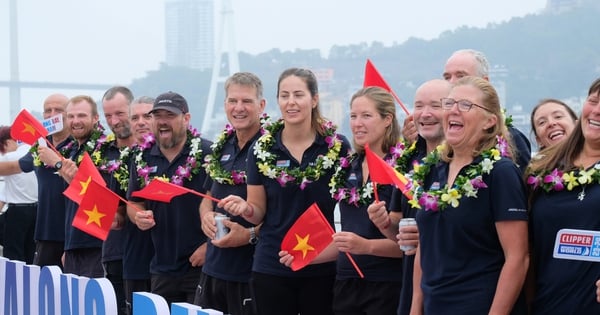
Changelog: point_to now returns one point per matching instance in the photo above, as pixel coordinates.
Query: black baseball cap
(172, 102)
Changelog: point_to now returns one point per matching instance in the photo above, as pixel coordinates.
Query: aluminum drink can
(222, 230)
(406, 222)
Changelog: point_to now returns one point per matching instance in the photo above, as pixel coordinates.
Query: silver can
(222, 230)
(406, 222)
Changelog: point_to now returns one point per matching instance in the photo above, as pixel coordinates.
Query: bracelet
(249, 215)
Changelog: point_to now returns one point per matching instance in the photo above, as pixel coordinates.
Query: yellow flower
(585, 177)
(110, 137)
(414, 203)
(96, 157)
(263, 168)
(451, 197)
(495, 154)
(163, 178)
(570, 180)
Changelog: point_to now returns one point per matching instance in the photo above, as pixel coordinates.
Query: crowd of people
(488, 213)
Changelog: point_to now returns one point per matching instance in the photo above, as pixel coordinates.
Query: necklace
(183, 172)
(212, 162)
(557, 180)
(363, 195)
(89, 146)
(467, 186)
(266, 161)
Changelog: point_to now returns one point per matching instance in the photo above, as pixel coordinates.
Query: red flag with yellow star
(96, 211)
(160, 190)
(308, 237)
(27, 129)
(86, 173)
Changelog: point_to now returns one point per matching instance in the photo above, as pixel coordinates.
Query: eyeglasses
(463, 105)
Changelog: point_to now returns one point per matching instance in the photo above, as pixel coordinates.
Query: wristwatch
(58, 165)
(253, 239)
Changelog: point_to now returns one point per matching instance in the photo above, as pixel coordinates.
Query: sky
(116, 41)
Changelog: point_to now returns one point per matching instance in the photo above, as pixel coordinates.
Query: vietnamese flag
(382, 173)
(160, 190)
(374, 78)
(27, 129)
(96, 211)
(308, 237)
(86, 174)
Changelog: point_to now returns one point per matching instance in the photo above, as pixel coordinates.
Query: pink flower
(478, 182)
(177, 180)
(340, 194)
(330, 140)
(344, 162)
(430, 202)
(304, 183)
(398, 149)
(534, 181)
(144, 171)
(183, 171)
(229, 129)
(284, 178)
(238, 177)
(354, 197)
(555, 178)
(502, 146)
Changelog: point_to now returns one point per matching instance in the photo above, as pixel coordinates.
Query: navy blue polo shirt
(286, 204)
(522, 148)
(356, 219)
(399, 203)
(461, 255)
(230, 264)
(177, 233)
(564, 286)
(112, 248)
(74, 237)
(50, 219)
(138, 249)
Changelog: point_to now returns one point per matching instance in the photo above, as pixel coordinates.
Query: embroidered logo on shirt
(225, 157)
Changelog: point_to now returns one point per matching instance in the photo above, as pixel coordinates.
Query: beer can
(222, 230)
(406, 222)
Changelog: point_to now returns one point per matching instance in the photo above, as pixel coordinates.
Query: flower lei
(90, 146)
(212, 162)
(266, 160)
(363, 195)
(183, 172)
(468, 185)
(119, 167)
(557, 180)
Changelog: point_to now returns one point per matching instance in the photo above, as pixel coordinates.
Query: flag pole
(400, 102)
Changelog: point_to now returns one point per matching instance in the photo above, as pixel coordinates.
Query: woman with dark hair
(564, 200)
(472, 256)
(551, 121)
(289, 169)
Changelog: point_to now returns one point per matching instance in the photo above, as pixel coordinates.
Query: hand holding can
(408, 235)
(222, 230)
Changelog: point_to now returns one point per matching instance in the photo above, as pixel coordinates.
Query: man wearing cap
(174, 154)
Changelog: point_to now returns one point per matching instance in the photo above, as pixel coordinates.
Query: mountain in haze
(541, 55)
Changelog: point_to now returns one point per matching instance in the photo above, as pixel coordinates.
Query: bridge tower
(14, 91)
(225, 45)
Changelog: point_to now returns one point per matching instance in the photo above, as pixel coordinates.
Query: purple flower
(113, 166)
(398, 149)
(144, 171)
(305, 181)
(330, 140)
(354, 197)
(183, 171)
(284, 178)
(229, 129)
(238, 177)
(340, 194)
(502, 146)
(534, 181)
(555, 178)
(177, 180)
(148, 140)
(344, 162)
(430, 202)
(478, 182)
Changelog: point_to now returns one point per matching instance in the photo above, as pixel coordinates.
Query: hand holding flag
(86, 173)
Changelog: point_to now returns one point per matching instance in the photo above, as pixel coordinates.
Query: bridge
(15, 85)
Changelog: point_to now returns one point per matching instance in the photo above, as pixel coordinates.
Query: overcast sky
(115, 41)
